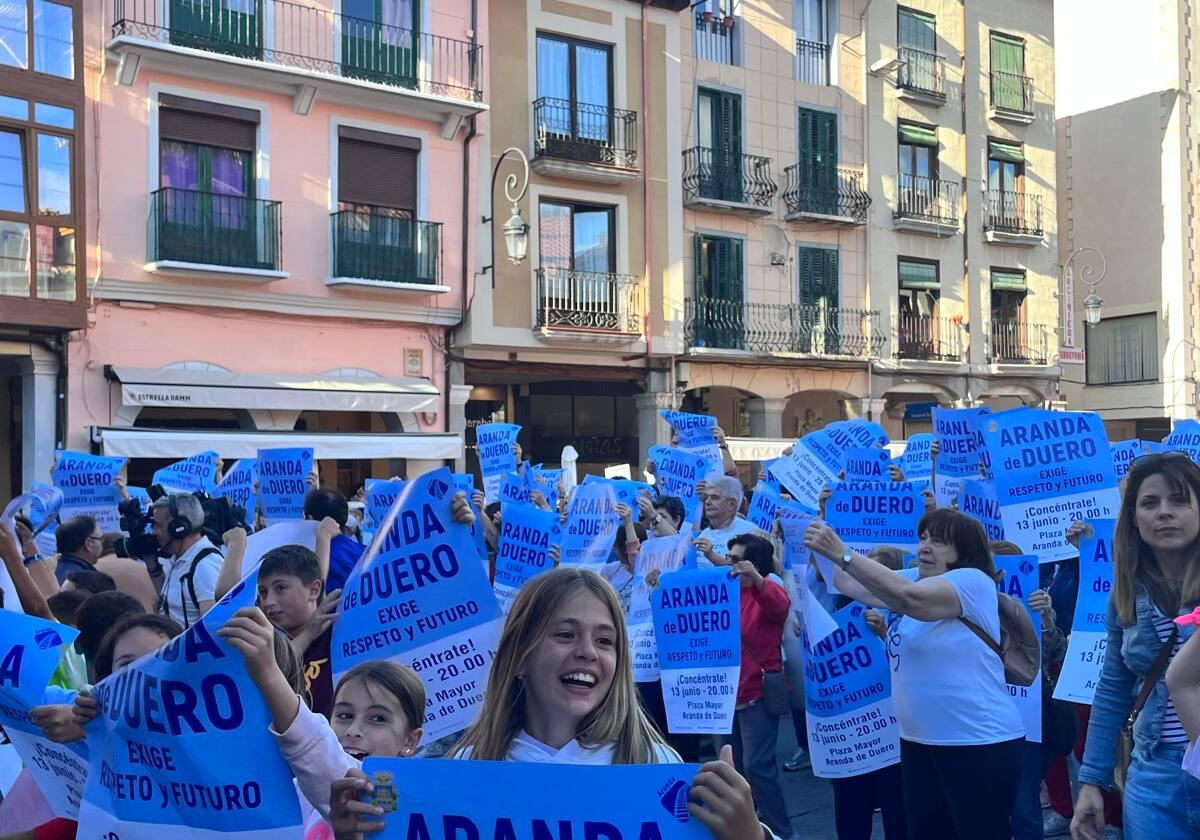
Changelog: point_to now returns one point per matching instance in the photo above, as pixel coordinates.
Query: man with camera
(191, 563)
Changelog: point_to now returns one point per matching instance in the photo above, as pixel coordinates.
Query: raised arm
(31, 597)
(231, 567)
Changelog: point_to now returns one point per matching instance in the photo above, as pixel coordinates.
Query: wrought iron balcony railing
(925, 338)
(1019, 343)
(310, 38)
(726, 176)
(826, 190)
(782, 328)
(213, 229)
(812, 62)
(376, 243)
(922, 71)
(585, 133)
(1012, 92)
(927, 200)
(715, 41)
(588, 301)
(1013, 212)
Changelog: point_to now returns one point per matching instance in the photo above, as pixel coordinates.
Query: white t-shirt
(1191, 760)
(948, 686)
(179, 597)
(720, 538)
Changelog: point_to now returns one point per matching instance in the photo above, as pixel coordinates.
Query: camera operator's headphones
(178, 527)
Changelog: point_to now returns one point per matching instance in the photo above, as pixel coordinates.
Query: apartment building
(575, 341)
(1128, 164)
(43, 155)
(282, 193)
(869, 194)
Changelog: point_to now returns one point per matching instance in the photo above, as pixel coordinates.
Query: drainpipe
(862, 27)
(647, 216)
(966, 200)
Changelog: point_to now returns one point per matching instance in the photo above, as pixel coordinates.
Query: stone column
(652, 429)
(766, 416)
(866, 408)
(457, 421)
(39, 414)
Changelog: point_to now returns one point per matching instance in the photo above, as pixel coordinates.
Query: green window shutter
(917, 134)
(1008, 54)
(818, 133)
(698, 267)
(830, 271)
(1014, 152)
(735, 284)
(918, 275)
(730, 123)
(917, 30)
(1012, 281)
(818, 276)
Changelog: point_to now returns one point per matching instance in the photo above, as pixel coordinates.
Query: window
(718, 161)
(576, 237)
(53, 39)
(1006, 166)
(918, 170)
(919, 332)
(1123, 350)
(38, 202)
(715, 40)
(812, 41)
(1010, 332)
(377, 234)
(1010, 90)
(818, 270)
(916, 36)
(719, 319)
(574, 85)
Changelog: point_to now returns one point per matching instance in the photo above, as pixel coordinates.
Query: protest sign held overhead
(1051, 469)
(494, 446)
(978, 500)
(592, 523)
(526, 534)
(1125, 452)
(917, 460)
(867, 464)
(696, 625)
(1019, 582)
(283, 483)
(418, 597)
(198, 472)
(656, 557)
(88, 483)
(1089, 632)
(958, 450)
(677, 473)
(695, 433)
(876, 513)
(1184, 437)
(238, 486)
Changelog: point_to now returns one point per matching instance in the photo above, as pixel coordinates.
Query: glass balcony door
(227, 26)
(380, 41)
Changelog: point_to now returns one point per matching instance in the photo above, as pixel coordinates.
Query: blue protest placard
(419, 597)
(1184, 437)
(677, 473)
(880, 513)
(494, 446)
(514, 490)
(978, 499)
(546, 482)
(867, 464)
(1052, 468)
(282, 483)
(238, 486)
(808, 470)
(592, 523)
(1089, 634)
(696, 625)
(657, 556)
(423, 799)
(958, 449)
(695, 433)
(848, 696)
(626, 490)
(526, 534)
(162, 720)
(29, 653)
(380, 496)
(1019, 582)
(1125, 452)
(917, 460)
(197, 473)
(813, 616)
(764, 504)
(87, 483)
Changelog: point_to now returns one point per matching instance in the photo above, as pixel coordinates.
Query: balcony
(812, 62)
(924, 338)
(1011, 98)
(769, 329)
(1018, 343)
(715, 40)
(1012, 218)
(193, 232)
(727, 182)
(588, 305)
(823, 193)
(304, 50)
(578, 140)
(374, 246)
(922, 76)
(926, 205)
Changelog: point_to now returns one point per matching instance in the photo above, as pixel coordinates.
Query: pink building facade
(278, 199)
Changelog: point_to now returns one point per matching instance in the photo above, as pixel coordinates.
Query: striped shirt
(1172, 730)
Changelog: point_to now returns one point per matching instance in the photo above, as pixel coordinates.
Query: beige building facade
(1128, 164)
(869, 211)
(575, 343)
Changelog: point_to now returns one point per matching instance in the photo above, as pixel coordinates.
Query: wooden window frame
(587, 207)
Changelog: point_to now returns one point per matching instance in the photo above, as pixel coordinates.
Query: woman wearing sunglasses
(1156, 577)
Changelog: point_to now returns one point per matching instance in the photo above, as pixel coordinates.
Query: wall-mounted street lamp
(1093, 303)
(516, 229)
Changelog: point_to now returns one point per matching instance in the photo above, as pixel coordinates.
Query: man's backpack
(1019, 648)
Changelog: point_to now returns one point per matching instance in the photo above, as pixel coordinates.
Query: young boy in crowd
(290, 587)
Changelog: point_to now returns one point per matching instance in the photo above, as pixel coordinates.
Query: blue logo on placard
(1026, 567)
(674, 798)
(232, 593)
(47, 638)
(438, 488)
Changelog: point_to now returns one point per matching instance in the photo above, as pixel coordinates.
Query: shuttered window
(207, 124)
(999, 150)
(818, 269)
(917, 134)
(718, 267)
(377, 169)
(818, 135)
(1010, 280)
(918, 274)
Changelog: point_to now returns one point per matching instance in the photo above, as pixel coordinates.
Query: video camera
(219, 516)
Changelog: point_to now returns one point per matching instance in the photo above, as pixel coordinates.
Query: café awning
(183, 443)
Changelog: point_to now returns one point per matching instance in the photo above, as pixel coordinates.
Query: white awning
(182, 388)
(756, 449)
(180, 443)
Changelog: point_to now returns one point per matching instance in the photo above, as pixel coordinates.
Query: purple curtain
(229, 179)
